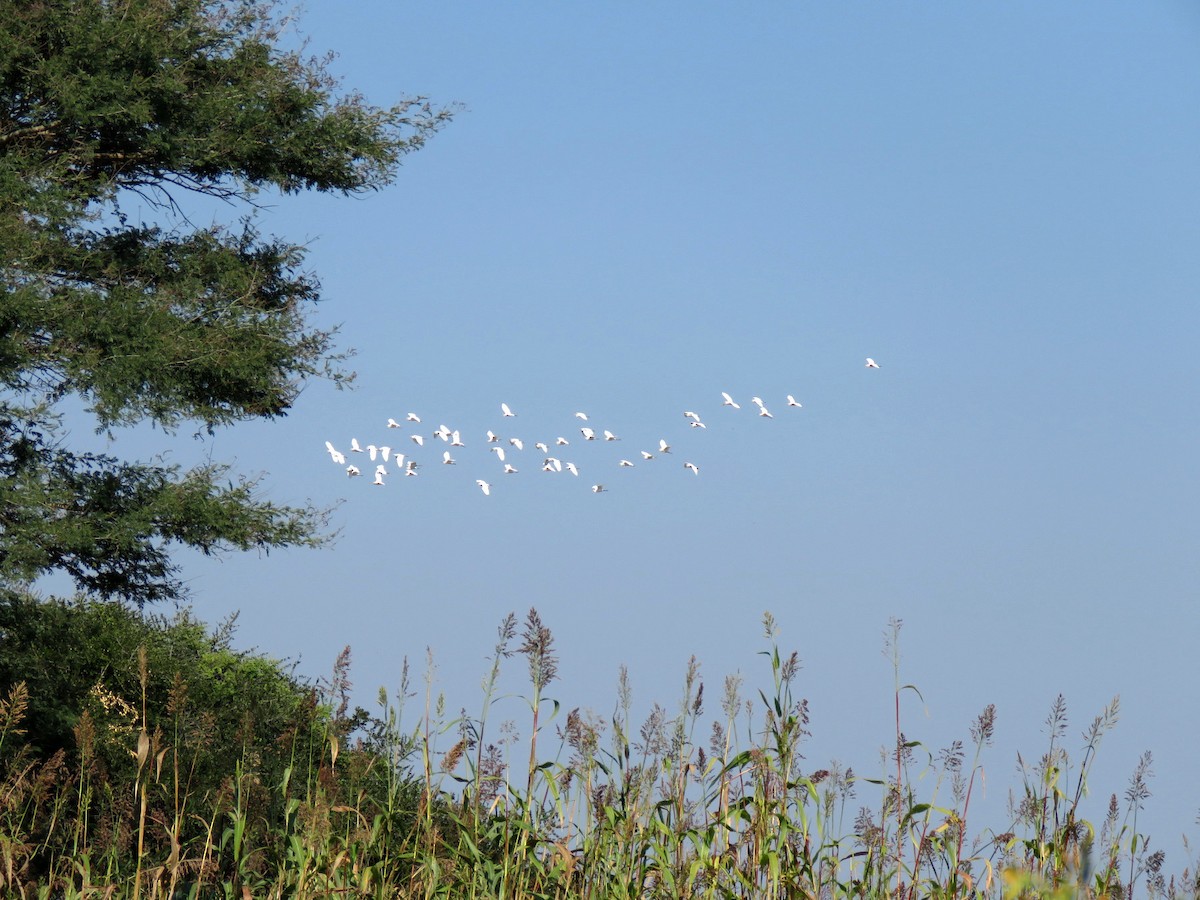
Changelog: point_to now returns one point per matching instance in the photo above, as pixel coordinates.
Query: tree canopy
(159, 321)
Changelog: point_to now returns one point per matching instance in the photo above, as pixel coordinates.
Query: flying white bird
(543, 446)
(447, 460)
(692, 466)
(588, 434)
(508, 413)
(493, 438)
(871, 364)
(581, 415)
(729, 401)
(792, 401)
(499, 451)
(598, 489)
(572, 469)
(412, 417)
(625, 464)
(372, 451)
(418, 440)
(411, 472)
(517, 442)
(555, 463)
(688, 414)
(510, 469)
(385, 452)
(378, 478)
(609, 436)
(443, 432)
(351, 471)
(646, 454)
(456, 440)
(334, 454)
(757, 401)
(546, 466)
(763, 411)
(392, 423)
(354, 446)
(699, 424)
(663, 446)
(398, 459)
(561, 442)
(483, 486)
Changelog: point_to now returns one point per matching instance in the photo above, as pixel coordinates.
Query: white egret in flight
(447, 459)
(483, 486)
(693, 467)
(792, 401)
(729, 401)
(871, 364)
(508, 413)
(334, 454)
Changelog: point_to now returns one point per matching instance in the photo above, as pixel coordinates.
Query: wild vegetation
(163, 763)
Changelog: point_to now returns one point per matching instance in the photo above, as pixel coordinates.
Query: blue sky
(643, 205)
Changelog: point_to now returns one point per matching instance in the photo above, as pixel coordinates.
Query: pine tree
(103, 102)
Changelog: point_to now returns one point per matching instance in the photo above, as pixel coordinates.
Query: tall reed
(679, 805)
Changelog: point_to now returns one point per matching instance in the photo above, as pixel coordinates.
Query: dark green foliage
(70, 653)
(106, 523)
(166, 323)
(227, 763)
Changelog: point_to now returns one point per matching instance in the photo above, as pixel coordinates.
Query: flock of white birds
(508, 451)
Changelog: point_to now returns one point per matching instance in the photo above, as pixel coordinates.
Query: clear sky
(643, 205)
